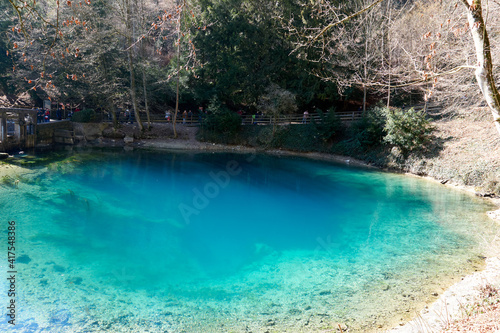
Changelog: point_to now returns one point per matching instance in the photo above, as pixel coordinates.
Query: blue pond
(197, 242)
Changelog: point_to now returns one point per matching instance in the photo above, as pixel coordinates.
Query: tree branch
(345, 19)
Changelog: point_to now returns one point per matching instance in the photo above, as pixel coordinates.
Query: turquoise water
(181, 242)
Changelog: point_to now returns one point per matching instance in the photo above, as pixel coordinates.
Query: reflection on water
(227, 242)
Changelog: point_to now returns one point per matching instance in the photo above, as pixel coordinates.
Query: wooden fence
(345, 117)
(249, 120)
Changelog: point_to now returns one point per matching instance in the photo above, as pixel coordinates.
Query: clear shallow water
(181, 242)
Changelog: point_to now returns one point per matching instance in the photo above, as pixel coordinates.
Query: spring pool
(109, 240)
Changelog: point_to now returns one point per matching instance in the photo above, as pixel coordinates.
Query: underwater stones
(270, 322)
(75, 280)
(262, 250)
(61, 317)
(325, 293)
(23, 259)
(59, 269)
(31, 327)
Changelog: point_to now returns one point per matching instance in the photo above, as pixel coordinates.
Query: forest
(244, 54)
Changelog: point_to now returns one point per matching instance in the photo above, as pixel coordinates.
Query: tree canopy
(104, 54)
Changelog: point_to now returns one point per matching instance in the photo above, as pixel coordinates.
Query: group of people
(42, 115)
(128, 116)
(187, 116)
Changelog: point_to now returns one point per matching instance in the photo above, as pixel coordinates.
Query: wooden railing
(250, 120)
(194, 120)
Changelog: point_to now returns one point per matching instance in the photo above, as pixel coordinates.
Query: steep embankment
(467, 152)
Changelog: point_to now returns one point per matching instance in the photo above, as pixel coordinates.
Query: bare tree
(484, 66)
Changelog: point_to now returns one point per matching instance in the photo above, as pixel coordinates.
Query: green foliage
(407, 129)
(298, 138)
(221, 124)
(369, 132)
(84, 116)
(245, 51)
(328, 126)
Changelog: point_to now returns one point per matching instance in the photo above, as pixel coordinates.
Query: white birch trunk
(484, 71)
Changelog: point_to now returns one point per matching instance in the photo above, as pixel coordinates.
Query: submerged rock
(23, 259)
(61, 317)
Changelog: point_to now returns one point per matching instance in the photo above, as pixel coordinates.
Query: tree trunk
(131, 67)
(484, 70)
(390, 55)
(178, 66)
(112, 110)
(177, 88)
(146, 98)
(365, 73)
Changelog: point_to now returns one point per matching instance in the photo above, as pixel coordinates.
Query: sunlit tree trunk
(390, 55)
(484, 70)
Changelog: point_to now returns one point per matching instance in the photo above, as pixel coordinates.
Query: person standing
(184, 117)
(305, 117)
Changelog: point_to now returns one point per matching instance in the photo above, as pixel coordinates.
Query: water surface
(184, 242)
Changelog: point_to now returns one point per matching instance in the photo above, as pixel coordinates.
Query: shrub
(368, 132)
(297, 137)
(84, 116)
(407, 130)
(221, 124)
(329, 125)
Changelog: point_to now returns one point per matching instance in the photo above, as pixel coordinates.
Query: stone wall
(45, 131)
(89, 132)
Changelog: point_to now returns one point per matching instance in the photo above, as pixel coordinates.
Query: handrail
(346, 116)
